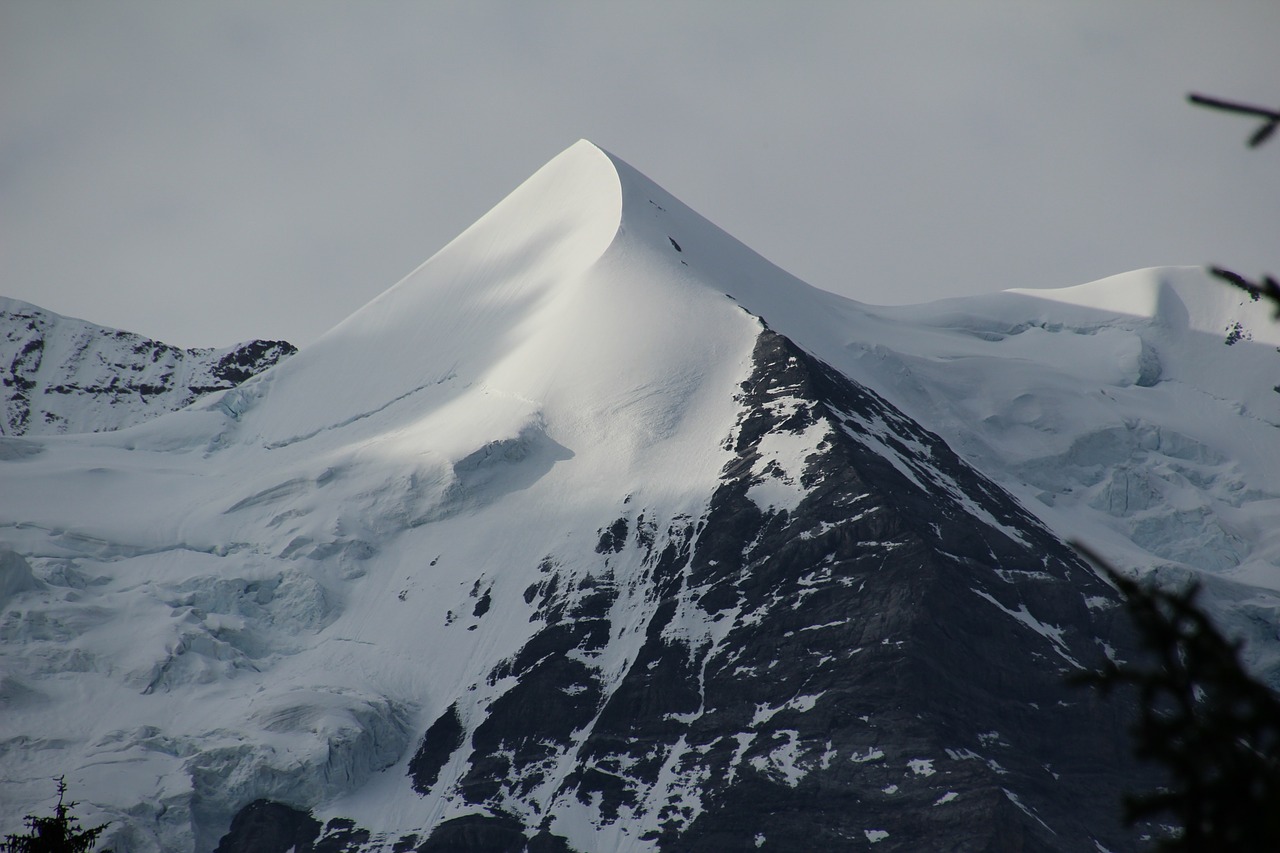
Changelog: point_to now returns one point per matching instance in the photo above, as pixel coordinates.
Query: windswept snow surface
(274, 592)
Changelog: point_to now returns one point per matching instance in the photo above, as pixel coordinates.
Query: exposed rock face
(862, 640)
(62, 375)
(266, 827)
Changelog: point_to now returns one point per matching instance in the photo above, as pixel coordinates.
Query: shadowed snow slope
(591, 534)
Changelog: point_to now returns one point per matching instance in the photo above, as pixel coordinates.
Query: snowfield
(275, 591)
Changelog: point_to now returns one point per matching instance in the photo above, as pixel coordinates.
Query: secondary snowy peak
(63, 375)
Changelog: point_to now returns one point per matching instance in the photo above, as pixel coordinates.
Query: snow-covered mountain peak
(589, 290)
(600, 532)
(464, 312)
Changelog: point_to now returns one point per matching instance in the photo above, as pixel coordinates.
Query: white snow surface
(269, 593)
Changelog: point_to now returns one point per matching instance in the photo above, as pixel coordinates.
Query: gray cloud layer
(205, 173)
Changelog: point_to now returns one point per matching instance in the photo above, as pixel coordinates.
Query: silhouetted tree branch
(1262, 134)
(1212, 725)
(1265, 288)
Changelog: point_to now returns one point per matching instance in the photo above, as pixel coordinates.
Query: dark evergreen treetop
(1213, 727)
(60, 833)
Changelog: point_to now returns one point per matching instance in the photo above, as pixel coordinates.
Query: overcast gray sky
(209, 172)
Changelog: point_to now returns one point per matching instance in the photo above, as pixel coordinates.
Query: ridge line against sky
(208, 173)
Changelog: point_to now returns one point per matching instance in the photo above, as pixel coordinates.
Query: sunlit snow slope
(586, 536)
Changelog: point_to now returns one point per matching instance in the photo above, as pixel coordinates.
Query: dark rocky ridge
(883, 664)
(63, 375)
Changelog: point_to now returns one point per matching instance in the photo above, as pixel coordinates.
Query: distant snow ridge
(62, 375)
(599, 532)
